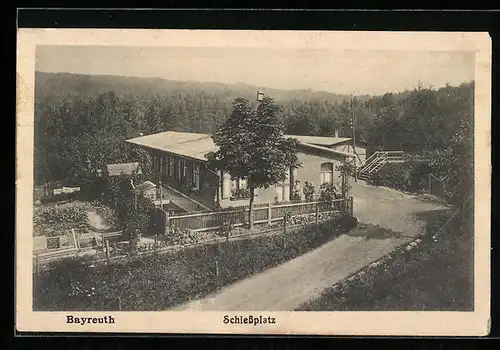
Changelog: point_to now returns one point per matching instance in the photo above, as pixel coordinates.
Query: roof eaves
(329, 150)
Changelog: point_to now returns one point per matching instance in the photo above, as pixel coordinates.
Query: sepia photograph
(267, 177)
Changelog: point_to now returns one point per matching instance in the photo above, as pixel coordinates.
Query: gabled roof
(196, 145)
(123, 169)
(192, 145)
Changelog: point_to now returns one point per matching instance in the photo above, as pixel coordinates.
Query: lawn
(434, 276)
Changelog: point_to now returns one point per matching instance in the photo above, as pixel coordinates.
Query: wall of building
(309, 171)
(217, 187)
(182, 177)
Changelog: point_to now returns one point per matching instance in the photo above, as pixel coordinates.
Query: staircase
(377, 160)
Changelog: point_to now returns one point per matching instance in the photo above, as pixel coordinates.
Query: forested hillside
(81, 121)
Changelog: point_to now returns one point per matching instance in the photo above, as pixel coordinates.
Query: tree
(251, 146)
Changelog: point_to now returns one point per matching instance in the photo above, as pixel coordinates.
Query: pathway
(179, 200)
(288, 285)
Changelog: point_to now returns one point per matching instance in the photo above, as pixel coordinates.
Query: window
(196, 176)
(171, 167)
(183, 162)
(179, 169)
(326, 173)
(239, 188)
(165, 166)
(239, 184)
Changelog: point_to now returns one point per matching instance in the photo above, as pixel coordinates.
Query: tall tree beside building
(252, 146)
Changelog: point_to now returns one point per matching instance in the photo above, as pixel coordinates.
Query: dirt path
(179, 200)
(96, 221)
(287, 286)
(389, 208)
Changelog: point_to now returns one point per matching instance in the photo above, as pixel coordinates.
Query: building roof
(320, 140)
(192, 145)
(196, 145)
(123, 168)
(327, 150)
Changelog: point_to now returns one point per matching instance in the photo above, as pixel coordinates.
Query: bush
(160, 282)
(54, 220)
(395, 176)
(410, 176)
(134, 211)
(308, 191)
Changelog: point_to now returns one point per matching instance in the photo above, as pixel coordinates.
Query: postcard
(253, 182)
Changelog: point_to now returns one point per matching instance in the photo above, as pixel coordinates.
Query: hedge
(409, 176)
(159, 282)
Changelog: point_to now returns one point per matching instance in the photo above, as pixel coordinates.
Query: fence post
(284, 224)
(119, 303)
(286, 216)
(107, 250)
(317, 214)
(430, 182)
(351, 206)
(269, 213)
(37, 265)
(216, 269)
(167, 223)
(77, 246)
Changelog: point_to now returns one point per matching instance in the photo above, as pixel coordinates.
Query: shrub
(395, 176)
(54, 220)
(177, 236)
(410, 176)
(133, 210)
(308, 191)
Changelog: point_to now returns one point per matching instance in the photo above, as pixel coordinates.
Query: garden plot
(56, 221)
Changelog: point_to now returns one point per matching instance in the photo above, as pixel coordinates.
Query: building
(343, 144)
(179, 161)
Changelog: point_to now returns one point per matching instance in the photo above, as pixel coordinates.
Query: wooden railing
(262, 214)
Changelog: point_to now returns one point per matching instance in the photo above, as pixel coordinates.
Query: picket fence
(262, 214)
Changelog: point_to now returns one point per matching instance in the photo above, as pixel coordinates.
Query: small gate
(436, 186)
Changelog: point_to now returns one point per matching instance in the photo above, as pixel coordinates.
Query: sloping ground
(390, 221)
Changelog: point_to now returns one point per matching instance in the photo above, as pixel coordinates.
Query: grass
(436, 276)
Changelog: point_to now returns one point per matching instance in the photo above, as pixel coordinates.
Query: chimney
(337, 133)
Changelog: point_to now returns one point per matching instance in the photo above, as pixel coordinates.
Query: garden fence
(262, 214)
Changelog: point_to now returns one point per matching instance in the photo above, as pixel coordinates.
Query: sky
(337, 71)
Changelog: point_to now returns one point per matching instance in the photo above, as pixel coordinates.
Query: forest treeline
(81, 122)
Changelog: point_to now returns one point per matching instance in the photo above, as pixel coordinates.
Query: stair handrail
(372, 163)
(374, 155)
(375, 162)
(369, 164)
